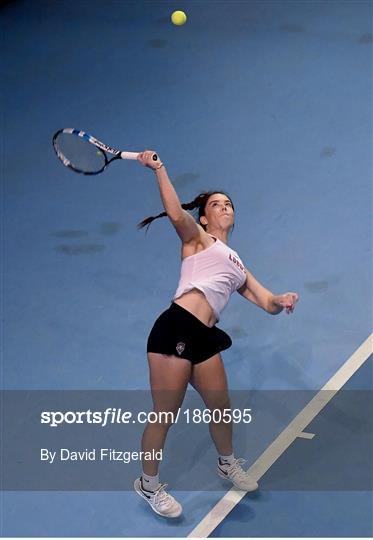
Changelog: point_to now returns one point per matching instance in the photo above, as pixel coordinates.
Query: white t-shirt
(217, 271)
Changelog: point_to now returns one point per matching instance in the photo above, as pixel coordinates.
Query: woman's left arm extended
(272, 303)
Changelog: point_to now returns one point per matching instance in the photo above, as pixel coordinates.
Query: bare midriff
(195, 302)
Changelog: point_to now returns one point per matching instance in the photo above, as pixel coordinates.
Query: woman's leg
(169, 377)
(210, 381)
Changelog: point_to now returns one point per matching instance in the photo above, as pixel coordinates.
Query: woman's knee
(162, 420)
(216, 399)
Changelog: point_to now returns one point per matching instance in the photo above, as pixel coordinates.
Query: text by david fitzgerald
(98, 454)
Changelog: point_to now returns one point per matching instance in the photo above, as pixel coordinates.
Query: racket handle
(133, 155)
(129, 155)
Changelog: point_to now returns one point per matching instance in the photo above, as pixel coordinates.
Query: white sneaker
(235, 473)
(162, 502)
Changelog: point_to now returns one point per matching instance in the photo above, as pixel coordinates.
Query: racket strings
(80, 153)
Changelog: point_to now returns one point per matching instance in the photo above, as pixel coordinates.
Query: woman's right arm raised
(185, 225)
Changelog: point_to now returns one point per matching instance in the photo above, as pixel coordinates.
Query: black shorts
(178, 332)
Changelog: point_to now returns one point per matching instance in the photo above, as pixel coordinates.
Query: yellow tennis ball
(179, 18)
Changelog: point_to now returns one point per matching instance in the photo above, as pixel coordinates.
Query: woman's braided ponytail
(199, 202)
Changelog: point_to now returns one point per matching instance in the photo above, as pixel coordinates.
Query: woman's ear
(203, 220)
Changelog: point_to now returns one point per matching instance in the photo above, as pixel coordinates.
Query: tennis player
(184, 345)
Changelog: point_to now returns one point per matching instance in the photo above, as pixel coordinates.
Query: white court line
(305, 435)
(286, 438)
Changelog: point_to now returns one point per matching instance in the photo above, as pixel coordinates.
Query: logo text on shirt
(237, 263)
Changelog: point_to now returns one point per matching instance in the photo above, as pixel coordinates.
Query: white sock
(226, 460)
(149, 483)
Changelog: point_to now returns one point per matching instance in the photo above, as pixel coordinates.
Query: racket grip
(133, 155)
(129, 155)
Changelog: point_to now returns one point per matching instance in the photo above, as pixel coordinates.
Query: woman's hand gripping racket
(85, 154)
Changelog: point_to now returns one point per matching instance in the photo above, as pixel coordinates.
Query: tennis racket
(85, 154)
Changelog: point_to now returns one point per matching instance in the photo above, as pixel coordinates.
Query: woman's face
(219, 213)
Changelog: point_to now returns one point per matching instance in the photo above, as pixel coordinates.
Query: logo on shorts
(180, 347)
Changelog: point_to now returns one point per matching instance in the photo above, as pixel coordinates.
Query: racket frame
(117, 154)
